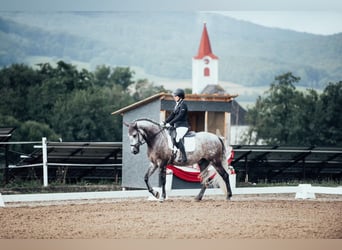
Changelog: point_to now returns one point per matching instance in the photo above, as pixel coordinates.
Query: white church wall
(199, 80)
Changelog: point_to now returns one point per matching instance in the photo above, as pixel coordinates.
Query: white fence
(44, 163)
(302, 191)
(59, 153)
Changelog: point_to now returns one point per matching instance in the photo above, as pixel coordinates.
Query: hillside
(163, 43)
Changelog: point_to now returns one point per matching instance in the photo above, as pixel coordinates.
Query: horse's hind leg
(225, 176)
(203, 164)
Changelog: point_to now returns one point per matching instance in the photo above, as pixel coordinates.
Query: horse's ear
(135, 125)
(126, 124)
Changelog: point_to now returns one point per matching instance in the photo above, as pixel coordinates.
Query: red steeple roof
(205, 48)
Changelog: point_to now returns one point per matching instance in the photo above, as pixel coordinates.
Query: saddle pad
(190, 134)
(189, 143)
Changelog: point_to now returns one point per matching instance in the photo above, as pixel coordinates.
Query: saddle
(189, 139)
(172, 133)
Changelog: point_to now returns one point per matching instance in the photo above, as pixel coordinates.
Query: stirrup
(181, 158)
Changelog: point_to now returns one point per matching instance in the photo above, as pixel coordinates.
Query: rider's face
(176, 98)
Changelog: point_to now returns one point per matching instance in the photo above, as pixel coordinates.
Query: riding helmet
(179, 92)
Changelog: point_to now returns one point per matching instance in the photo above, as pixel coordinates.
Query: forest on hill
(163, 43)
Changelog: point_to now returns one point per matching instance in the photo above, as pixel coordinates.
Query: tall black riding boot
(182, 149)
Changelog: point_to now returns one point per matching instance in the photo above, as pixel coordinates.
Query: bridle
(139, 142)
(144, 139)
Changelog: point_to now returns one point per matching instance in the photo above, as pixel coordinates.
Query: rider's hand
(167, 125)
(162, 124)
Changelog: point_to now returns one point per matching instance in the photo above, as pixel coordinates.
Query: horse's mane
(148, 120)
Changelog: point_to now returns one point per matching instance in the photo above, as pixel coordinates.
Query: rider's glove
(162, 124)
(167, 125)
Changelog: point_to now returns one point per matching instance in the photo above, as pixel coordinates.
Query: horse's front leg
(148, 174)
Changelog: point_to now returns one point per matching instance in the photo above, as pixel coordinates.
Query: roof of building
(281, 162)
(6, 133)
(205, 47)
(213, 89)
(168, 96)
(238, 112)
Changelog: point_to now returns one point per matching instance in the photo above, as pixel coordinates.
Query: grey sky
(318, 17)
(186, 5)
(316, 22)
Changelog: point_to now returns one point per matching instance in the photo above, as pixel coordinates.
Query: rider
(179, 119)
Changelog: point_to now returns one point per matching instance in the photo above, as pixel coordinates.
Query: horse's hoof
(198, 199)
(157, 195)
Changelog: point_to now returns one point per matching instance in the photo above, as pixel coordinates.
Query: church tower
(204, 65)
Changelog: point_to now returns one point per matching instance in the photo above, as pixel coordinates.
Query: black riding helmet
(179, 92)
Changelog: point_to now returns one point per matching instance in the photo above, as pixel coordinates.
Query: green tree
(86, 115)
(15, 82)
(62, 101)
(144, 88)
(272, 117)
(68, 75)
(102, 75)
(34, 131)
(331, 99)
(285, 116)
(306, 126)
(122, 76)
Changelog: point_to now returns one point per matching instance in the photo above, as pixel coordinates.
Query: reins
(162, 128)
(143, 136)
(139, 143)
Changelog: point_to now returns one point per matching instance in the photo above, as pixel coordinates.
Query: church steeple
(204, 65)
(205, 47)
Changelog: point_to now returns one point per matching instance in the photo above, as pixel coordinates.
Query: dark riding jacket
(179, 116)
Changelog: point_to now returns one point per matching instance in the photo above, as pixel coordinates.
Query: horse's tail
(223, 146)
(218, 180)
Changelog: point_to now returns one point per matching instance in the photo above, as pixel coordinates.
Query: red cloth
(231, 157)
(190, 176)
(185, 175)
(194, 176)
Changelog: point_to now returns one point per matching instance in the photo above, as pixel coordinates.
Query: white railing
(45, 164)
(44, 161)
(302, 191)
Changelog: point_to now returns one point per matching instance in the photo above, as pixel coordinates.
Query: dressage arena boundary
(302, 191)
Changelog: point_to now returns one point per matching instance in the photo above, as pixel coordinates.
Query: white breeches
(180, 132)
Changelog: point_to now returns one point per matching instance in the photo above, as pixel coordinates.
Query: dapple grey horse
(209, 149)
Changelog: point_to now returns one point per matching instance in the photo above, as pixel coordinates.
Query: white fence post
(305, 192)
(2, 204)
(169, 178)
(45, 163)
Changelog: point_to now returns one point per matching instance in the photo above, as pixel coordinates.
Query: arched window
(206, 72)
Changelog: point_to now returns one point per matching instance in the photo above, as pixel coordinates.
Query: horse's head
(135, 136)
